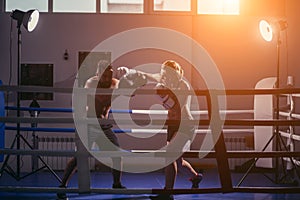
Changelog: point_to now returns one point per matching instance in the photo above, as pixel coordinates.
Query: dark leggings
(72, 163)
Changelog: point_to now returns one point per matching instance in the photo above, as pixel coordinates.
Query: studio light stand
(268, 30)
(34, 114)
(278, 138)
(29, 20)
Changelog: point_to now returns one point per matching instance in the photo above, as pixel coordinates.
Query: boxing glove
(132, 79)
(121, 71)
(166, 100)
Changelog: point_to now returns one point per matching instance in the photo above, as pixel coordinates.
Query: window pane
(223, 7)
(122, 6)
(172, 5)
(24, 5)
(77, 6)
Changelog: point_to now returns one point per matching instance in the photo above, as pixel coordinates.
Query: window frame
(77, 12)
(221, 13)
(116, 2)
(172, 12)
(29, 7)
(148, 8)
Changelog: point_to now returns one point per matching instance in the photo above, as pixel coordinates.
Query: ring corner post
(223, 166)
(2, 124)
(82, 157)
(220, 147)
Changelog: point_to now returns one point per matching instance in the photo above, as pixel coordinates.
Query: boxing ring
(289, 153)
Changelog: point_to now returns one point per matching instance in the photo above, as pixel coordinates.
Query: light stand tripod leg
(18, 100)
(6, 165)
(18, 136)
(42, 160)
(34, 158)
(254, 162)
(286, 174)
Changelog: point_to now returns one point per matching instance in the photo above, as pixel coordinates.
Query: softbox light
(29, 19)
(269, 29)
(266, 30)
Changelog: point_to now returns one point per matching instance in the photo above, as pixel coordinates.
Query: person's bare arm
(89, 84)
(152, 77)
(186, 102)
(121, 71)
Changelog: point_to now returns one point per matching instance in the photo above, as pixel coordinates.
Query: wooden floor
(138, 181)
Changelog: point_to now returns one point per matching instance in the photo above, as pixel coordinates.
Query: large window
(41, 5)
(122, 6)
(74, 6)
(219, 7)
(211, 7)
(172, 5)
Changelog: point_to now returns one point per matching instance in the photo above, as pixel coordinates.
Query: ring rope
(39, 109)
(237, 122)
(138, 191)
(286, 114)
(156, 153)
(153, 112)
(194, 112)
(294, 91)
(288, 135)
(297, 162)
(256, 121)
(42, 129)
(72, 130)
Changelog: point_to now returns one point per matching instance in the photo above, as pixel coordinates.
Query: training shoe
(196, 180)
(61, 195)
(118, 186)
(162, 197)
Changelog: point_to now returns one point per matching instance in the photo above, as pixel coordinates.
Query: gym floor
(143, 181)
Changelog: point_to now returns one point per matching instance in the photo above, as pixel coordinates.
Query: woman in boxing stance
(178, 106)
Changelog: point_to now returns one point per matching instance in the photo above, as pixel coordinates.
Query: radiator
(68, 143)
(58, 143)
(236, 143)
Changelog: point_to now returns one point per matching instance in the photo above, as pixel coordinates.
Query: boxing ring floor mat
(141, 181)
